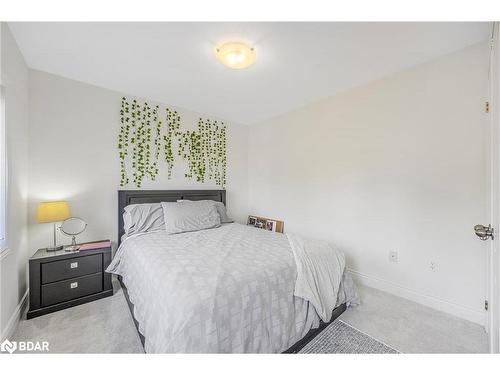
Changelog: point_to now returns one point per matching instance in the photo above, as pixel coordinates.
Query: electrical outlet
(433, 266)
(393, 256)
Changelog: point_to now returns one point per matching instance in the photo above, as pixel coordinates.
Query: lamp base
(54, 248)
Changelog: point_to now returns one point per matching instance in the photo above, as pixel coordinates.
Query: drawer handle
(73, 265)
(74, 285)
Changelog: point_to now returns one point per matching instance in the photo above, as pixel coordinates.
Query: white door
(493, 290)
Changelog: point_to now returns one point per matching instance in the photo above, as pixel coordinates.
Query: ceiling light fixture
(235, 55)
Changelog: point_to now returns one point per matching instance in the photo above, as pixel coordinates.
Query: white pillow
(142, 218)
(221, 209)
(189, 216)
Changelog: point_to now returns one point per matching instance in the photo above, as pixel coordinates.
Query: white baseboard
(15, 318)
(412, 295)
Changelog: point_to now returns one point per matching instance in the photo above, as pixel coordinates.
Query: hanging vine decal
(173, 126)
(123, 139)
(144, 135)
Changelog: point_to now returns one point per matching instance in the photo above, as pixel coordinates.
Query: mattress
(223, 290)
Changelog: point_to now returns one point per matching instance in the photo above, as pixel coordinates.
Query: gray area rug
(340, 337)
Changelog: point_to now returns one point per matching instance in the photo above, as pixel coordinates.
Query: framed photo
(261, 223)
(252, 220)
(271, 225)
(264, 223)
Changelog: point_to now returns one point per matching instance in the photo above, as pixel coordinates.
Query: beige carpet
(105, 326)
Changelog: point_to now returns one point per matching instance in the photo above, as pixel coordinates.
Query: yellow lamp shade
(235, 55)
(50, 212)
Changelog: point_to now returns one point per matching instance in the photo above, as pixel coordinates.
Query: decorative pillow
(142, 218)
(189, 216)
(221, 209)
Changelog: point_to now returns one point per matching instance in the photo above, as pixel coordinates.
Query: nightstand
(60, 279)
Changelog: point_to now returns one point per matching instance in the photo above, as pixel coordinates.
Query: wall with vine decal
(146, 132)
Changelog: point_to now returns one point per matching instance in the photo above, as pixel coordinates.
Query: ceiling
(297, 63)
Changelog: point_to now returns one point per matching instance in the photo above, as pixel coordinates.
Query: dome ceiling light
(235, 55)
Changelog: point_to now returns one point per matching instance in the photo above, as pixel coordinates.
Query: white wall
(397, 164)
(14, 261)
(74, 156)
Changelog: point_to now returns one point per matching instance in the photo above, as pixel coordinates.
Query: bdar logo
(8, 346)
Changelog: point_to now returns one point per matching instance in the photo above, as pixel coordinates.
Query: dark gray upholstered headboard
(126, 197)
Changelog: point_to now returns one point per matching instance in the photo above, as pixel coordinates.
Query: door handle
(484, 232)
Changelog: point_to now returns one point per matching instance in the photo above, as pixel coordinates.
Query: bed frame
(126, 197)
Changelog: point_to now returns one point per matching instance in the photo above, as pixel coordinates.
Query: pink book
(95, 245)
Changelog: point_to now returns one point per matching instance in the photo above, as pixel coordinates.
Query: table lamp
(52, 212)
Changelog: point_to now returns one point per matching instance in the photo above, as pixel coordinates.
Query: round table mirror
(73, 227)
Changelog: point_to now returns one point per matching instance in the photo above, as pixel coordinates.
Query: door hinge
(486, 305)
(487, 107)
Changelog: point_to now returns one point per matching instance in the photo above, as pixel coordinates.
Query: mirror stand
(73, 227)
(73, 246)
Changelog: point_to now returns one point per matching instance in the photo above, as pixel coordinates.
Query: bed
(223, 290)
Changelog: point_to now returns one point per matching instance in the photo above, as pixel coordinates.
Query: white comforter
(228, 289)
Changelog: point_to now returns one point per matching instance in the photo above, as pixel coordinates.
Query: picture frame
(252, 220)
(261, 223)
(271, 225)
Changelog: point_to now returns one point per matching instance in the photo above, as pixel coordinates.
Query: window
(3, 172)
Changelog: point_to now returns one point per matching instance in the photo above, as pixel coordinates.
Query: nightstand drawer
(70, 289)
(69, 268)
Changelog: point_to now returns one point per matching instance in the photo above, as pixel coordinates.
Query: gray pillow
(221, 209)
(189, 216)
(142, 218)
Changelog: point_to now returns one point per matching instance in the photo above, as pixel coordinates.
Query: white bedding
(226, 290)
(319, 272)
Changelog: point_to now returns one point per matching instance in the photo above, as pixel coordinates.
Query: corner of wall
(13, 289)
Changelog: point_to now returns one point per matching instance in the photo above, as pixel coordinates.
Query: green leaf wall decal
(146, 132)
